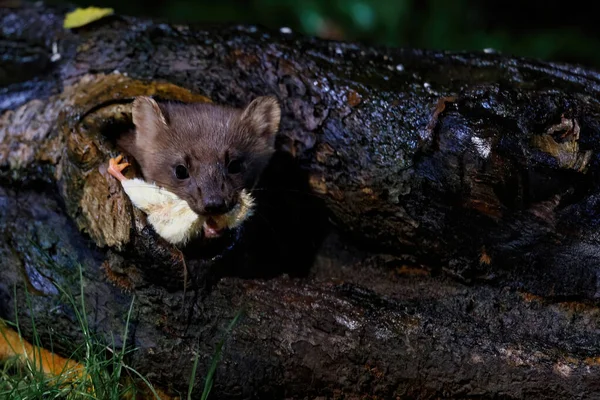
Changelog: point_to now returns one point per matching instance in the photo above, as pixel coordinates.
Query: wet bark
(428, 227)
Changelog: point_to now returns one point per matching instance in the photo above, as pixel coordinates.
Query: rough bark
(461, 259)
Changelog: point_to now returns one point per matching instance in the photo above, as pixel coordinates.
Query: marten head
(204, 153)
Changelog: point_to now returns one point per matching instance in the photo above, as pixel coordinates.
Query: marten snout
(216, 205)
(212, 195)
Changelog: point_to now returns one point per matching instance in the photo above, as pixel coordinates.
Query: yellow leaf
(83, 16)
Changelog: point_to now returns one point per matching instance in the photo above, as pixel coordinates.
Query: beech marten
(208, 155)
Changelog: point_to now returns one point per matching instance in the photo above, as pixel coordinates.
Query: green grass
(208, 382)
(106, 374)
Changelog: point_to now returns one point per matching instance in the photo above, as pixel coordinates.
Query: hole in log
(289, 225)
(283, 236)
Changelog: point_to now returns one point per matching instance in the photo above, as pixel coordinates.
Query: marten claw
(115, 166)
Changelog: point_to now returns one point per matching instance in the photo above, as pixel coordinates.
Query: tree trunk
(429, 226)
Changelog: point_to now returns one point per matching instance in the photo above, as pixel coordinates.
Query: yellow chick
(170, 216)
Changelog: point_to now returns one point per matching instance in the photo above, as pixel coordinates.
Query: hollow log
(428, 227)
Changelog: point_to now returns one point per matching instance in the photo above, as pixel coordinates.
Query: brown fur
(208, 140)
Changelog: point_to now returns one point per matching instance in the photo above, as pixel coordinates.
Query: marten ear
(263, 115)
(147, 116)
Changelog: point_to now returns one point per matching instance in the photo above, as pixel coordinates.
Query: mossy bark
(428, 227)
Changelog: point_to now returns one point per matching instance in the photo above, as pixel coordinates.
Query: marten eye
(235, 166)
(181, 172)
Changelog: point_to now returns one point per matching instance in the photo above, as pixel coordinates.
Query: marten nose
(215, 205)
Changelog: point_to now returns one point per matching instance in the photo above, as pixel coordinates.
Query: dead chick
(170, 216)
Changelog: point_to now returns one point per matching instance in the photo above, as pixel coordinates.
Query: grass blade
(208, 382)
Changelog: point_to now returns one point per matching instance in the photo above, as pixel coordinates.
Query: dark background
(552, 30)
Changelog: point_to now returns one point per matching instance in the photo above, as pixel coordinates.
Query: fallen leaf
(83, 16)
